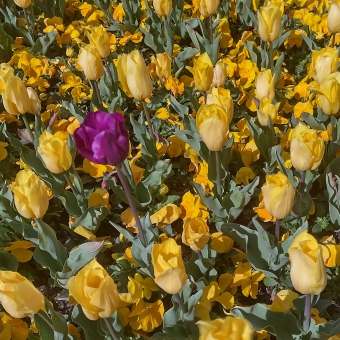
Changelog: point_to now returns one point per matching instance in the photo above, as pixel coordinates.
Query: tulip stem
(218, 173)
(302, 180)
(271, 57)
(96, 89)
(180, 303)
(277, 230)
(28, 127)
(111, 329)
(132, 205)
(200, 256)
(306, 319)
(70, 184)
(147, 116)
(211, 29)
(107, 67)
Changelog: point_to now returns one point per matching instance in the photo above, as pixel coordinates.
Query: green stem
(147, 116)
(200, 255)
(45, 318)
(27, 125)
(306, 319)
(95, 83)
(211, 29)
(180, 302)
(271, 57)
(70, 184)
(277, 230)
(218, 173)
(107, 67)
(111, 330)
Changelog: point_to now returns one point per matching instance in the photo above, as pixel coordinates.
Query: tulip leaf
(91, 218)
(43, 43)
(8, 261)
(284, 170)
(333, 197)
(5, 45)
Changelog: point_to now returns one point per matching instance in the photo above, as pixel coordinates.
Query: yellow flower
(308, 271)
(168, 266)
(221, 243)
(162, 7)
(18, 296)
(208, 7)
(12, 328)
(3, 151)
(95, 170)
(54, 152)
(212, 122)
(166, 215)
(30, 194)
(278, 194)
(99, 37)
(34, 101)
(95, 291)
(223, 98)
(22, 3)
(329, 94)
(146, 316)
(283, 301)
(227, 328)
(265, 85)
(249, 153)
(20, 249)
(269, 17)
(306, 148)
(163, 65)
(141, 288)
(193, 206)
(74, 331)
(220, 74)
(203, 72)
(244, 175)
(334, 255)
(324, 62)
(195, 233)
(100, 197)
(333, 19)
(91, 62)
(176, 148)
(267, 110)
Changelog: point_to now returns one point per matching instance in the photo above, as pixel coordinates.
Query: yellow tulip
(168, 266)
(91, 62)
(195, 233)
(208, 7)
(203, 72)
(269, 17)
(138, 76)
(223, 98)
(15, 98)
(55, 153)
(99, 37)
(122, 72)
(95, 291)
(163, 65)
(228, 328)
(307, 272)
(30, 194)
(212, 122)
(220, 74)
(18, 296)
(35, 102)
(333, 19)
(6, 71)
(22, 3)
(265, 85)
(267, 110)
(162, 7)
(324, 62)
(278, 195)
(329, 94)
(306, 148)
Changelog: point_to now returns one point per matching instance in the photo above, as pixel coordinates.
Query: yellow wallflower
(221, 243)
(193, 206)
(283, 301)
(166, 215)
(12, 328)
(244, 175)
(141, 288)
(95, 170)
(20, 249)
(100, 197)
(3, 151)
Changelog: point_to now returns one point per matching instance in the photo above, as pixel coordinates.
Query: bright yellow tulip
(163, 65)
(269, 17)
(324, 62)
(99, 37)
(208, 7)
(22, 3)
(195, 233)
(223, 98)
(122, 72)
(162, 7)
(91, 62)
(329, 94)
(333, 19)
(265, 85)
(267, 110)
(35, 102)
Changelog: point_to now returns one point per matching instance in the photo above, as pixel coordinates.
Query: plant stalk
(27, 125)
(147, 116)
(132, 205)
(111, 330)
(180, 302)
(271, 57)
(306, 319)
(70, 184)
(95, 83)
(218, 173)
(200, 256)
(211, 29)
(277, 230)
(107, 67)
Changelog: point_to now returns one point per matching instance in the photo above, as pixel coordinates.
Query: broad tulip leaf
(8, 261)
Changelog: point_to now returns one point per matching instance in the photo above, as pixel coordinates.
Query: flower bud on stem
(306, 319)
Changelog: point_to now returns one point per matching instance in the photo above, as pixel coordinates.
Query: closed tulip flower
(220, 74)
(18, 296)
(55, 153)
(15, 99)
(138, 76)
(265, 85)
(30, 194)
(333, 19)
(228, 328)
(208, 7)
(22, 3)
(195, 233)
(278, 195)
(306, 148)
(269, 17)
(99, 37)
(168, 266)
(324, 62)
(267, 110)
(103, 138)
(94, 289)
(212, 122)
(307, 271)
(203, 72)
(91, 62)
(329, 94)
(35, 102)
(6, 71)
(163, 65)
(122, 72)
(162, 7)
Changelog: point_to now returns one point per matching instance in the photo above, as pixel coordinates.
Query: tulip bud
(15, 99)
(278, 195)
(208, 7)
(223, 98)
(35, 103)
(163, 65)
(267, 110)
(307, 271)
(333, 19)
(91, 62)
(18, 296)
(30, 194)
(138, 77)
(168, 266)
(22, 3)
(306, 148)
(122, 72)
(6, 71)
(162, 7)
(269, 17)
(265, 85)
(203, 72)
(212, 122)
(329, 94)
(195, 233)
(324, 62)
(99, 37)
(220, 75)
(94, 289)
(55, 153)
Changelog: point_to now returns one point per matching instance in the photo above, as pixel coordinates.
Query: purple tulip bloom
(103, 138)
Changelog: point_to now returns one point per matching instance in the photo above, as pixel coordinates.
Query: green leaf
(5, 45)
(43, 43)
(8, 261)
(91, 218)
